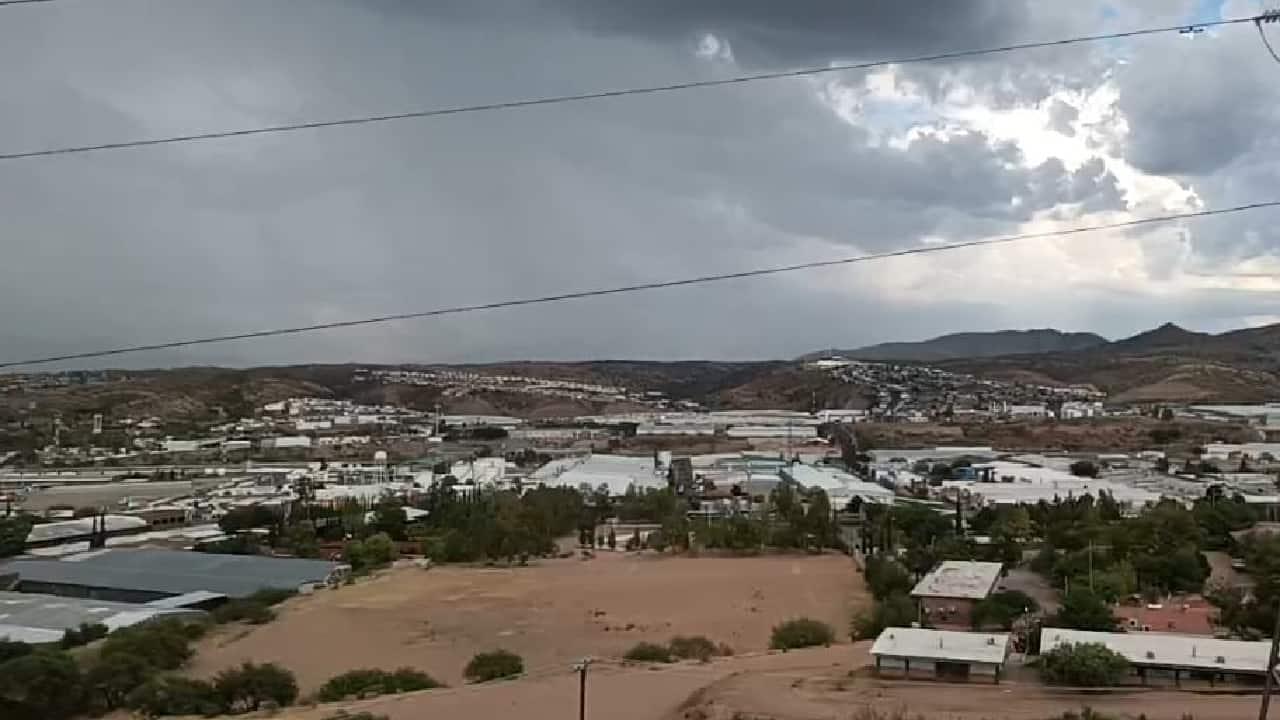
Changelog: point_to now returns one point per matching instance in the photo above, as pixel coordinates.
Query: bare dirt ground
(550, 614)
(800, 685)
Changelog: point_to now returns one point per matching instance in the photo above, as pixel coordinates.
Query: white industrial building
(615, 473)
(1156, 655)
(1017, 484)
(841, 487)
(942, 654)
(284, 442)
(799, 433)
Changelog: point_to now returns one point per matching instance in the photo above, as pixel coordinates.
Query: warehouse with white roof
(615, 473)
(1155, 656)
(941, 654)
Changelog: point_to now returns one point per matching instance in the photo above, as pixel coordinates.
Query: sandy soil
(801, 685)
(551, 614)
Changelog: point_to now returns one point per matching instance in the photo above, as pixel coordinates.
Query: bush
(344, 715)
(165, 645)
(83, 635)
(363, 683)
(1083, 665)
(897, 610)
(693, 647)
(250, 611)
(251, 686)
(41, 686)
(800, 633)
(885, 577)
(12, 650)
(495, 665)
(173, 695)
(110, 681)
(648, 652)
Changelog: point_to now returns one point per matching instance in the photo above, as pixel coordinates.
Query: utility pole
(1271, 670)
(581, 668)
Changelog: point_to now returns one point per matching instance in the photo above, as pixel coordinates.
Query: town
(977, 563)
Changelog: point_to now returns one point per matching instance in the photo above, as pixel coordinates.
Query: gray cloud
(208, 238)
(1062, 117)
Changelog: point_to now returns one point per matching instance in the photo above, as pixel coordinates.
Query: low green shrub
(648, 652)
(801, 633)
(366, 682)
(495, 665)
(693, 647)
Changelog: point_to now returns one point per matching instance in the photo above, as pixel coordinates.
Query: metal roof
(1166, 650)
(946, 645)
(53, 613)
(174, 572)
(959, 579)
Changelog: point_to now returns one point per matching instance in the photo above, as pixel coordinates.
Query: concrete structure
(67, 531)
(40, 619)
(286, 442)
(145, 575)
(1157, 656)
(947, 595)
(797, 433)
(941, 654)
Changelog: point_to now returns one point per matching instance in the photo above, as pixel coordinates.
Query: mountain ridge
(978, 344)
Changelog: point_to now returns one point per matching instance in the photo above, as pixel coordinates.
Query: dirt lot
(800, 685)
(550, 614)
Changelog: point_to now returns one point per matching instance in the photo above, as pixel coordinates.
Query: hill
(979, 344)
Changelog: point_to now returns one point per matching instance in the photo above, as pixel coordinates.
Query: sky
(170, 242)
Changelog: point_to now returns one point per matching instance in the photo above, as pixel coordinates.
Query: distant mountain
(979, 344)
(1165, 337)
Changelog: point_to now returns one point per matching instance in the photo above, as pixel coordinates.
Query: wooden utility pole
(581, 667)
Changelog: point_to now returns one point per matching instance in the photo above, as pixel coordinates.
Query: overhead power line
(1269, 17)
(648, 90)
(3, 3)
(700, 280)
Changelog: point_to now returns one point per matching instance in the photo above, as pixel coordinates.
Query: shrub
(41, 686)
(693, 647)
(12, 650)
(83, 635)
(166, 644)
(495, 665)
(362, 683)
(648, 652)
(173, 695)
(896, 610)
(1083, 665)
(272, 596)
(250, 611)
(110, 681)
(800, 633)
(344, 715)
(251, 686)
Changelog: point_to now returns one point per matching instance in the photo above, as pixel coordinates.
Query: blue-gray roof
(174, 572)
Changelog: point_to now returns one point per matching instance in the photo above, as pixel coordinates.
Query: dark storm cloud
(215, 237)
(808, 31)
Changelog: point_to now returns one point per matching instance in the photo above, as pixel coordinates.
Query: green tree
(1083, 665)
(112, 678)
(1083, 610)
(1001, 609)
(389, 517)
(165, 645)
(252, 686)
(495, 665)
(612, 540)
(41, 686)
(174, 695)
(13, 534)
(895, 610)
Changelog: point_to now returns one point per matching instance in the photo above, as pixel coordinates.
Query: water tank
(380, 456)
